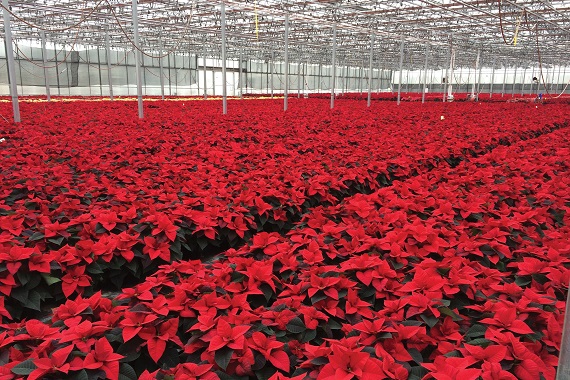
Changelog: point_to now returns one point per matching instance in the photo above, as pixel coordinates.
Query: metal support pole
(286, 87)
(475, 75)
(224, 90)
(459, 82)
(523, 81)
(213, 78)
(563, 371)
(170, 66)
(558, 79)
(239, 75)
(319, 78)
(88, 56)
(44, 59)
(57, 71)
(205, 71)
(564, 82)
(532, 81)
(400, 70)
(450, 80)
(160, 65)
(446, 81)
(492, 80)
(514, 83)
(344, 74)
(479, 79)
(272, 67)
(305, 89)
(333, 68)
(504, 81)
(175, 74)
(196, 75)
(425, 75)
(98, 71)
(108, 57)
(360, 79)
(380, 73)
(370, 59)
(299, 80)
(137, 58)
(10, 62)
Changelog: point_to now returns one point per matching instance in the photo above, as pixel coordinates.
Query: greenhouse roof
(506, 32)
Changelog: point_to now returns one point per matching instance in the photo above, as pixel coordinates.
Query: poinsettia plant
(333, 244)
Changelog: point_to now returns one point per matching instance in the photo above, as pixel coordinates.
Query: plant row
(458, 272)
(94, 200)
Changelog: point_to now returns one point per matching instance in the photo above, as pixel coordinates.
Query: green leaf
(476, 331)
(453, 354)
(267, 291)
(416, 355)
(384, 335)
(95, 268)
(126, 372)
(223, 357)
(23, 276)
(24, 368)
(430, 320)
(265, 373)
(411, 322)
(417, 373)
(81, 375)
(309, 335)
(20, 294)
(171, 357)
(318, 361)
(36, 236)
(334, 325)
(522, 280)
(296, 326)
(225, 376)
(259, 363)
(50, 280)
(133, 266)
(34, 301)
(396, 264)
(479, 342)
(57, 241)
(443, 271)
(203, 242)
(319, 296)
(450, 313)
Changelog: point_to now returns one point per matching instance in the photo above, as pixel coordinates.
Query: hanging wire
(563, 91)
(256, 21)
(170, 51)
(72, 45)
(29, 72)
(81, 21)
(514, 39)
(540, 60)
(118, 64)
(168, 77)
(274, 72)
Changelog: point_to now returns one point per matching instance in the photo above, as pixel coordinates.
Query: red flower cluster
(369, 252)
